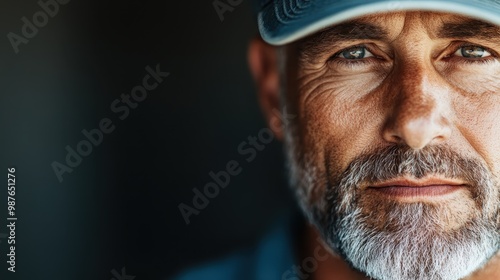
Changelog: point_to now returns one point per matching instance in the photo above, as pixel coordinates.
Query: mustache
(396, 161)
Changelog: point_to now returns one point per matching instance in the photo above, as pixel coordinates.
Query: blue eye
(355, 53)
(472, 52)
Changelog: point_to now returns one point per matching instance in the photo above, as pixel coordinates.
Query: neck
(490, 272)
(319, 263)
(329, 265)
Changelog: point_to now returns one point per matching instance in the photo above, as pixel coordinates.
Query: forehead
(390, 25)
(432, 23)
(395, 22)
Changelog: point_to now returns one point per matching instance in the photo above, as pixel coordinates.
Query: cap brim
(284, 21)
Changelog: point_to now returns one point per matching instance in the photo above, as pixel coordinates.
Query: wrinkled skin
(427, 82)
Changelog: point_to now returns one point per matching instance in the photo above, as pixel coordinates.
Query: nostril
(396, 138)
(392, 137)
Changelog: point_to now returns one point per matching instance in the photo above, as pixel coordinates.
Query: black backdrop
(118, 208)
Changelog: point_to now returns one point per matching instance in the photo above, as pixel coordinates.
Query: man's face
(395, 151)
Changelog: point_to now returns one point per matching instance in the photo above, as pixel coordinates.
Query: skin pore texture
(395, 151)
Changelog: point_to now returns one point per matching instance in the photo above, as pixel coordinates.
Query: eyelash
(353, 62)
(484, 60)
(371, 60)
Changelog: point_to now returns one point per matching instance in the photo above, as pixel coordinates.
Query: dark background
(119, 207)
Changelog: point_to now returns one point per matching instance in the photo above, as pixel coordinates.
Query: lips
(418, 188)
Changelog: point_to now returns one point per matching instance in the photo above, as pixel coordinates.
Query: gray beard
(396, 241)
(413, 252)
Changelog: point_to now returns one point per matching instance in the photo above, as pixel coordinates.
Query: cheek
(480, 126)
(336, 118)
(478, 115)
(475, 80)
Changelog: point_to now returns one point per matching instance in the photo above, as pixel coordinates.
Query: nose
(418, 110)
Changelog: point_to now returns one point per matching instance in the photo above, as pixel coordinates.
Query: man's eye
(472, 52)
(355, 53)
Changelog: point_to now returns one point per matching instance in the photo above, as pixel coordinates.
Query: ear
(262, 59)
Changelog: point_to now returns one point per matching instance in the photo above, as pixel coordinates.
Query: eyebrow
(470, 29)
(348, 31)
(319, 43)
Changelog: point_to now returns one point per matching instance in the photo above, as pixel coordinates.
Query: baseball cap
(284, 21)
